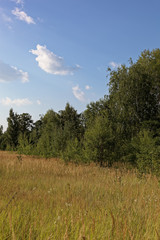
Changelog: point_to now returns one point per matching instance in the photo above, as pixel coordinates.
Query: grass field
(46, 199)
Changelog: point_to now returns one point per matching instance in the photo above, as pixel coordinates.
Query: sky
(58, 51)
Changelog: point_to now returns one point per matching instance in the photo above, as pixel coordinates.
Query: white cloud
(18, 102)
(51, 63)
(9, 73)
(21, 2)
(38, 102)
(114, 64)
(78, 93)
(23, 75)
(21, 15)
(87, 87)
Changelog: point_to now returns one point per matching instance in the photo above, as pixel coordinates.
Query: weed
(59, 201)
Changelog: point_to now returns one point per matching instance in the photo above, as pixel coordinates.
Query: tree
(12, 130)
(59, 130)
(99, 142)
(47, 145)
(95, 109)
(2, 138)
(73, 151)
(134, 97)
(134, 90)
(36, 132)
(71, 123)
(25, 123)
(146, 151)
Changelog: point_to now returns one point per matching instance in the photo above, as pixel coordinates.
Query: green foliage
(24, 145)
(2, 139)
(147, 152)
(71, 123)
(58, 129)
(95, 109)
(12, 130)
(46, 143)
(18, 125)
(25, 123)
(73, 152)
(134, 93)
(99, 142)
(123, 126)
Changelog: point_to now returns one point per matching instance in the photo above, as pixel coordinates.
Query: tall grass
(46, 199)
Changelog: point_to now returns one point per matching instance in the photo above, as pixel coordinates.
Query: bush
(73, 151)
(99, 142)
(147, 152)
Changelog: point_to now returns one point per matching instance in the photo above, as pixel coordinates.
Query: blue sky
(57, 51)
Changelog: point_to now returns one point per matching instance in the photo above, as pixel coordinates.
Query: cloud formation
(21, 15)
(114, 64)
(78, 93)
(18, 1)
(17, 102)
(9, 73)
(87, 87)
(51, 63)
(21, 2)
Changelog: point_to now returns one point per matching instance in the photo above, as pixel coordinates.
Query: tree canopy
(122, 126)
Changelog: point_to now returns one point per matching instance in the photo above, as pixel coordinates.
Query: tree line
(123, 126)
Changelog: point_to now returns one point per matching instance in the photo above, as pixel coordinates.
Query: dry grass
(46, 199)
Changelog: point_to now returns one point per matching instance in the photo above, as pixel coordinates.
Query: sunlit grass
(46, 199)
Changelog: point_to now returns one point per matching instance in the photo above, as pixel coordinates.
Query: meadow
(47, 199)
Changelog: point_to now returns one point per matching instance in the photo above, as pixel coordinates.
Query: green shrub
(73, 151)
(147, 152)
